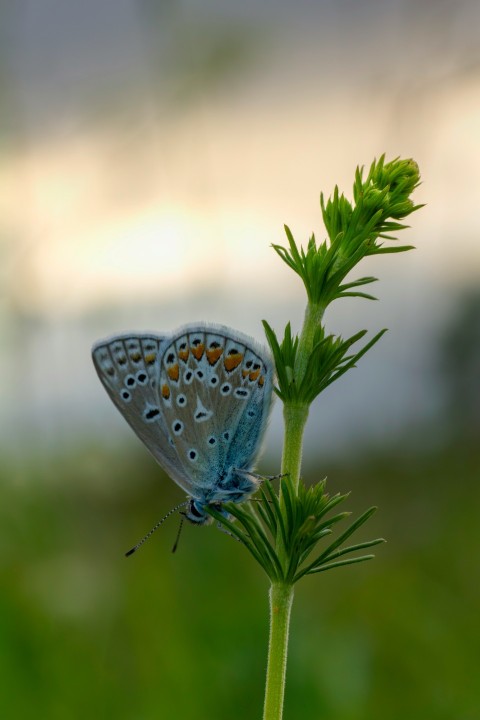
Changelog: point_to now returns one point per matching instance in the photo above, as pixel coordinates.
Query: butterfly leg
(227, 532)
(260, 477)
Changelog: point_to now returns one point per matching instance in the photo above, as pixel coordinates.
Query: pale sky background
(151, 153)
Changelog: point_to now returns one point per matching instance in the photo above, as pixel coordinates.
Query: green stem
(311, 322)
(294, 417)
(281, 597)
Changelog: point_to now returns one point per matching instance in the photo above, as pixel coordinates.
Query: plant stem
(281, 594)
(311, 322)
(281, 597)
(294, 417)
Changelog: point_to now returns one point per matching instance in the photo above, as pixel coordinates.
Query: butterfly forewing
(128, 366)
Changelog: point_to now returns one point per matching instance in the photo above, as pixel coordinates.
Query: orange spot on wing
(150, 358)
(245, 373)
(213, 354)
(261, 380)
(165, 391)
(198, 351)
(135, 356)
(183, 355)
(254, 375)
(232, 361)
(173, 372)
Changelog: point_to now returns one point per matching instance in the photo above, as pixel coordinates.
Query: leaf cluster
(354, 230)
(328, 360)
(284, 539)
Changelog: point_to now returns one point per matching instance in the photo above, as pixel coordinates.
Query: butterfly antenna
(175, 544)
(155, 527)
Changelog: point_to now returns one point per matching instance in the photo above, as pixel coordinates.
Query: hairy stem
(281, 594)
(295, 418)
(281, 597)
(313, 318)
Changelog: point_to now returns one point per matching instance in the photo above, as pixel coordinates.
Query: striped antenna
(155, 527)
(175, 544)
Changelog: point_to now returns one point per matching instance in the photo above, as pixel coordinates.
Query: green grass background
(88, 633)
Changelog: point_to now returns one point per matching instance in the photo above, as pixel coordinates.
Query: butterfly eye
(130, 381)
(126, 396)
(226, 389)
(226, 436)
(181, 400)
(141, 378)
(192, 454)
(188, 377)
(199, 374)
(212, 441)
(213, 380)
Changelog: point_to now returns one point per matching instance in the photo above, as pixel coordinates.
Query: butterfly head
(196, 513)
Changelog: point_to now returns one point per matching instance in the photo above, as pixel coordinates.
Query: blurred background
(150, 153)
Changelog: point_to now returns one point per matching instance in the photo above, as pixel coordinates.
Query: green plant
(283, 531)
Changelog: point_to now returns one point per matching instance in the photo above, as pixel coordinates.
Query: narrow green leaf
(385, 250)
(265, 505)
(346, 534)
(333, 520)
(278, 512)
(312, 542)
(283, 253)
(341, 539)
(268, 519)
(354, 548)
(359, 294)
(244, 539)
(332, 502)
(352, 363)
(357, 283)
(257, 536)
(349, 561)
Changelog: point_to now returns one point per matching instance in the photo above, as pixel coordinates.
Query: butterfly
(199, 399)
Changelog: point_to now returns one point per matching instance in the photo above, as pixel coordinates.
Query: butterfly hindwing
(215, 391)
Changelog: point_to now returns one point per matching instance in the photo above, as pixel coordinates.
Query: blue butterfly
(199, 399)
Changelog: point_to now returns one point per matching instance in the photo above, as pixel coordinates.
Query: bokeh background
(150, 153)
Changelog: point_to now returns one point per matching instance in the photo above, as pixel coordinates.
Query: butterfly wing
(252, 386)
(129, 367)
(215, 391)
